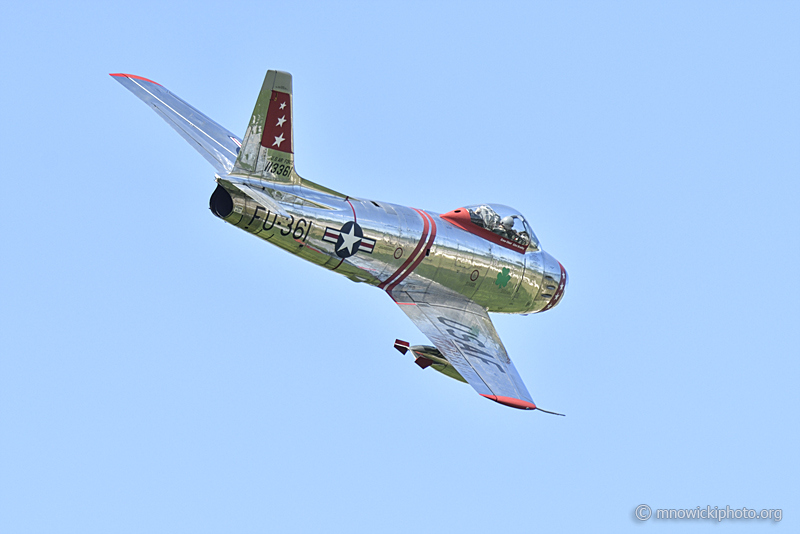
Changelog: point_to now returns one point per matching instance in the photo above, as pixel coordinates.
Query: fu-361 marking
(299, 229)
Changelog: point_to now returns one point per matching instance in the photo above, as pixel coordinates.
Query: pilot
(489, 218)
(506, 227)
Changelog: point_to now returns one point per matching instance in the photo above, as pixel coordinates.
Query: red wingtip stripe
(512, 402)
(120, 74)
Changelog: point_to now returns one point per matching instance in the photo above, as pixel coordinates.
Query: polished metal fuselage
(430, 255)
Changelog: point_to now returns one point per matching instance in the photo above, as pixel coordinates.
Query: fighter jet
(445, 271)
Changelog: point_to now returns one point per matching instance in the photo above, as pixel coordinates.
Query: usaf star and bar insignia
(349, 240)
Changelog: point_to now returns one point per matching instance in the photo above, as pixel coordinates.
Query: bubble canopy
(510, 227)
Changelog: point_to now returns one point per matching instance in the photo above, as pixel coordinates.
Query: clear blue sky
(162, 371)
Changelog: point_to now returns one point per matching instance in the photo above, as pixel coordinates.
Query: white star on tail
(279, 140)
(281, 121)
(349, 240)
(283, 105)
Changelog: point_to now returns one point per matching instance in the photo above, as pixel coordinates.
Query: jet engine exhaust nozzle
(220, 203)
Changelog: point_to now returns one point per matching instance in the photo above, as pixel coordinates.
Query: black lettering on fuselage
(255, 215)
(266, 220)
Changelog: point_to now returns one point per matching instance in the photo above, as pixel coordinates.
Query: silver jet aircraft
(445, 271)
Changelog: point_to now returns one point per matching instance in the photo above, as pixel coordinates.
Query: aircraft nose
(554, 283)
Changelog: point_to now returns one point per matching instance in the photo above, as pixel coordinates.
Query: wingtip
(512, 402)
(123, 75)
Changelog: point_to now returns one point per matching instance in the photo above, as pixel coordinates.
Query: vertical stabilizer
(268, 148)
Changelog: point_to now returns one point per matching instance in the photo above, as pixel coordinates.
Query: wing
(219, 146)
(464, 334)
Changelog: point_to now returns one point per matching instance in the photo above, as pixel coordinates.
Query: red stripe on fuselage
(354, 210)
(422, 255)
(410, 258)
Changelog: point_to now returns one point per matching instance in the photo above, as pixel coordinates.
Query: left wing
(219, 146)
(464, 334)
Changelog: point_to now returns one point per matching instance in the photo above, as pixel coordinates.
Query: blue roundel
(349, 241)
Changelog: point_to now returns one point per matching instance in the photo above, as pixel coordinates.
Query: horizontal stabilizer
(262, 198)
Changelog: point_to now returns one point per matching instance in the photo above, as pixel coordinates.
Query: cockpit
(511, 227)
(504, 222)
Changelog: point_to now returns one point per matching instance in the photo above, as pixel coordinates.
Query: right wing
(219, 146)
(464, 334)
